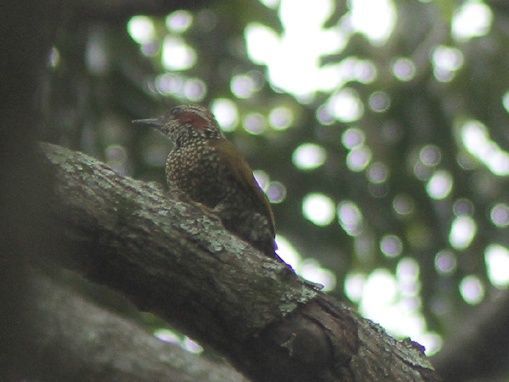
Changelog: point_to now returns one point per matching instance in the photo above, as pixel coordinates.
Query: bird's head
(186, 123)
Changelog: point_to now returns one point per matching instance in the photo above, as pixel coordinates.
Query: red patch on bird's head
(195, 115)
(194, 119)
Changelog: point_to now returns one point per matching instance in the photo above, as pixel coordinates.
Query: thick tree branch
(75, 340)
(173, 258)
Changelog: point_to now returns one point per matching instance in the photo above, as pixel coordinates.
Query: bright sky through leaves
(293, 58)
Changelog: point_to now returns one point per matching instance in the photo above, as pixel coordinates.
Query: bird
(209, 169)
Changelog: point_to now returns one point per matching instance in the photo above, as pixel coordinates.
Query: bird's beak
(156, 123)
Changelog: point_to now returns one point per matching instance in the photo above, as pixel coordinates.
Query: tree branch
(77, 340)
(173, 258)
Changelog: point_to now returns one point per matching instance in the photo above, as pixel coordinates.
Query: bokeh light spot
(352, 138)
(350, 69)
(167, 335)
(380, 289)
(379, 101)
(354, 285)
(350, 217)
(177, 55)
(292, 13)
(308, 156)
(262, 178)
(262, 43)
(445, 262)
(499, 215)
(383, 303)
(270, 3)
(446, 61)
(403, 69)
(254, 123)
(476, 140)
(505, 101)
(345, 105)
(226, 113)
(287, 252)
(440, 185)
(391, 245)
(191, 346)
(386, 298)
(324, 116)
(463, 231)
(358, 159)
(141, 29)
(496, 258)
(378, 173)
(243, 85)
(407, 274)
(421, 171)
(318, 208)
(463, 206)
(194, 89)
(374, 18)
(281, 118)
(276, 192)
(472, 290)
(432, 341)
(170, 84)
(472, 19)
(311, 270)
(430, 155)
(179, 21)
(403, 204)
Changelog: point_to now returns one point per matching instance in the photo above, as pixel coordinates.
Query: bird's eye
(176, 110)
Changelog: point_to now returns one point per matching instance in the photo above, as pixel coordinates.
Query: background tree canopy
(378, 130)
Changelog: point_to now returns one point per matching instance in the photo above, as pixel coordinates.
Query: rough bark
(75, 340)
(173, 258)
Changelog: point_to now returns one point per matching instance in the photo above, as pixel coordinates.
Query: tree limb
(173, 258)
(79, 341)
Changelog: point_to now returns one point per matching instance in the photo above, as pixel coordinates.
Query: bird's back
(213, 172)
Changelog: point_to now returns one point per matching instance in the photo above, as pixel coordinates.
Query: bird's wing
(243, 174)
